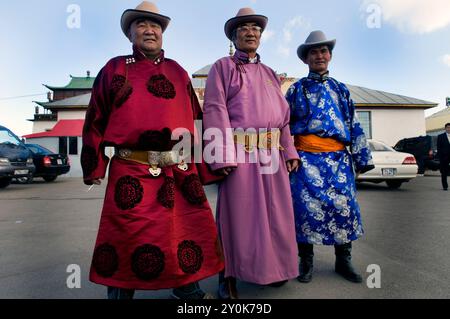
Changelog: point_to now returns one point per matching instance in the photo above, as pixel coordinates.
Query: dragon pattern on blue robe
(323, 189)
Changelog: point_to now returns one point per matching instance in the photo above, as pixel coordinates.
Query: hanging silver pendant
(183, 166)
(155, 171)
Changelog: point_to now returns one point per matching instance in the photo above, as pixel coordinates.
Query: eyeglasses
(246, 29)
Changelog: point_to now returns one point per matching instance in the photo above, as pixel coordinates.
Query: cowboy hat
(244, 15)
(315, 39)
(144, 10)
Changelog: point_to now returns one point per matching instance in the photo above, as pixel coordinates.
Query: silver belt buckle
(124, 152)
(168, 159)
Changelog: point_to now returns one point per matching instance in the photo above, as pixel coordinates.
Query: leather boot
(344, 265)
(278, 284)
(306, 253)
(120, 294)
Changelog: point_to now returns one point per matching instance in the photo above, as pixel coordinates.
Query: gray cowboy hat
(144, 10)
(244, 15)
(315, 39)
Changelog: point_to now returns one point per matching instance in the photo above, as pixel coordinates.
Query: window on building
(365, 120)
(73, 145)
(63, 145)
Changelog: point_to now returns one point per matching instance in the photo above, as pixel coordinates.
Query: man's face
(146, 35)
(447, 129)
(248, 36)
(318, 59)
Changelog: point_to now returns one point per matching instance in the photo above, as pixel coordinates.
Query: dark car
(48, 164)
(422, 149)
(16, 159)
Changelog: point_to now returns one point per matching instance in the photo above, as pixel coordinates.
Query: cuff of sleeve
(290, 153)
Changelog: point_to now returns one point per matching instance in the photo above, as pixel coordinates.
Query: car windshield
(379, 147)
(39, 150)
(7, 137)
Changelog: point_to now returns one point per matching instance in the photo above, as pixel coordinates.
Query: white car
(392, 167)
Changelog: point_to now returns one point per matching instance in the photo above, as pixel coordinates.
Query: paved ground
(46, 227)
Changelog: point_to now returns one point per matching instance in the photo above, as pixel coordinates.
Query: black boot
(306, 253)
(278, 284)
(120, 293)
(344, 265)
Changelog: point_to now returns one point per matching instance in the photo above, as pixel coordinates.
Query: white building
(384, 116)
(59, 127)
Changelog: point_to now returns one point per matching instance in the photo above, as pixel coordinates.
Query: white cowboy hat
(244, 15)
(315, 39)
(144, 10)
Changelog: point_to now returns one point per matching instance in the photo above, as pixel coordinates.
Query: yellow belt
(266, 140)
(315, 144)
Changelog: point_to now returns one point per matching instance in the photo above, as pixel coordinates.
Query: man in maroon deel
(157, 229)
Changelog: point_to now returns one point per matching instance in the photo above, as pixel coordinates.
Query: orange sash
(315, 144)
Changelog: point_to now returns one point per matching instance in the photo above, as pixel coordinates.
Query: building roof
(76, 83)
(62, 128)
(79, 101)
(443, 113)
(203, 72)
(371, 98)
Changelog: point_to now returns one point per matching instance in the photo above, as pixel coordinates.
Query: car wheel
(4, 182)
(25, 180)
(50, 178)
(394, 184)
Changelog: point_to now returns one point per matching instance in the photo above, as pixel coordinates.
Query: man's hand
(226, 171)
(293, 165)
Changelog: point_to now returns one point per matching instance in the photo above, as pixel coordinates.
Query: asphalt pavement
(45, 227)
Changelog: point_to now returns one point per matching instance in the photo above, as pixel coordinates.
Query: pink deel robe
(254, 210)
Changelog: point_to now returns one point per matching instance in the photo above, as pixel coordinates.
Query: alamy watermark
(374, 16)
(74, 18)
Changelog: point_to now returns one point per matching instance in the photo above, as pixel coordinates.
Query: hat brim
(233, 23)
(130, 15)
(303, 49)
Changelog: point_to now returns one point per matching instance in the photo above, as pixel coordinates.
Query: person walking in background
(443, 149)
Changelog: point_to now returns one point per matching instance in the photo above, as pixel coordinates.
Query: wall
(437, 124)
(72, 115)
(43, 126)
(392, 125)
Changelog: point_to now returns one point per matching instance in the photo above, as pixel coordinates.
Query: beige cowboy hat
(244, 15)
(315, 39)
(144, 10)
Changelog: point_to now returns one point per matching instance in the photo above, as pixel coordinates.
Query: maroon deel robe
(154, 233)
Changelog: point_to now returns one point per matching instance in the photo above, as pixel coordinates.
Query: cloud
(289, 30)
(414, 16)
(283, 51)
(267, 35)
(292, 25)
(446, 59)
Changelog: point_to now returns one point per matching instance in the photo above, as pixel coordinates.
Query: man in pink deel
(254, 210)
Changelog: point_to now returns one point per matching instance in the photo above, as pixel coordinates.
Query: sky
(397, 46)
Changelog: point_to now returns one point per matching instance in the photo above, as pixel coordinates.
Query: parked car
(422, 149)
(16, 160)
(48, 164)
(392, 167)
